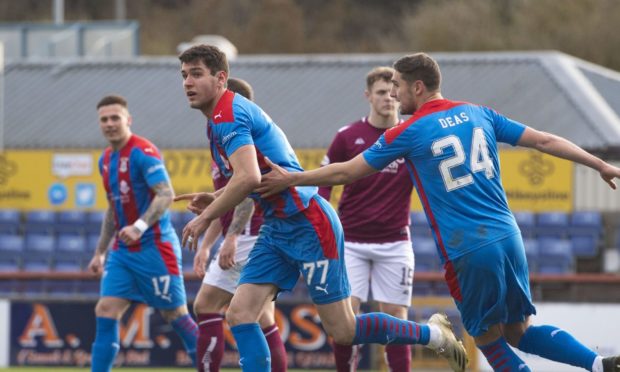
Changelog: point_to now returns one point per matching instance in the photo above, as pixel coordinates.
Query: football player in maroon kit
(374, 212)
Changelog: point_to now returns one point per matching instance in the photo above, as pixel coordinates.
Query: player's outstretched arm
(198, 201)
(333, 174)
(565, 149)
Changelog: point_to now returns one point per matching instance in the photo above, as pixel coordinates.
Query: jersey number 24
(479, 159)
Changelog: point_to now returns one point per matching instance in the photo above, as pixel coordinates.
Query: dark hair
(112, 100)
(210, 55)
(379, 73)
(419, 66)
(242, 87)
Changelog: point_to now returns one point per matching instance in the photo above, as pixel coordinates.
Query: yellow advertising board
(537, 182)
(65, 179)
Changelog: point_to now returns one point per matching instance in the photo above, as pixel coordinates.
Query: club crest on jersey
(123, 167)
(124, 187)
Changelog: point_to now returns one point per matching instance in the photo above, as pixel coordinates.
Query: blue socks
(380, 328)
(187, 329)
(556, 344)
(106, 345)
(501, 357)
(253, 350)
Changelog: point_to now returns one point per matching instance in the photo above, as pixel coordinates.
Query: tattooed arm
(160, 203)
(106, 235)
(242, 214)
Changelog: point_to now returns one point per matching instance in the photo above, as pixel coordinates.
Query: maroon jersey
(374, 209)
(220, 181)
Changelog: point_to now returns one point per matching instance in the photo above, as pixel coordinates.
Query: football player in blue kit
(450, 148)
(301, 232)
(144, 261)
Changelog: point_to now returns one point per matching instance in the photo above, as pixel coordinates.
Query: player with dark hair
(240, 230)
(374, 212)
(144, 262)
(301, 232)
(451, 151)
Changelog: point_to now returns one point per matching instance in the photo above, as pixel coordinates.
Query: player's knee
(342, 332)
(235, 316)
(342, 336)
(513, 336)
(170, 315)
(107, 309)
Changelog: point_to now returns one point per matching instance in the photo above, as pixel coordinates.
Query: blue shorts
(311, 243)
(152, 275)
(491, 285)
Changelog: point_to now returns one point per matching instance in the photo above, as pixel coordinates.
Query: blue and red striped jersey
(237, 122)
(450, 149)
(128, 176)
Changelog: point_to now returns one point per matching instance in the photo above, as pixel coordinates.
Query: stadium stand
(93, 222)
(555, 256)
(10, 221)
(426, 259)
(531, 252)
(38, 253)
(552, 225)
(40, 221)
(527, 223)
(586, 228)
(70, 222)
(69, 253)
(419, 226)
(11, 250)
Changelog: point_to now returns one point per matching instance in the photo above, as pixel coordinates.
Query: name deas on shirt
(453, 120)
(227, 137)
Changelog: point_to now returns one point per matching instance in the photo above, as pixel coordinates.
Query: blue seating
(94, 219)
(585, 233)
(67, 263)
(10, 221)
(91, 244)
(426, 258)
(40, 221)
(73, 221)
(555, 256)
(585, 246)
(70, 253)
(552, 225)
(38, 242)
(419, 225)
(11, 249)
(531, 253)
(38, 253)
(526, 222)
(69, 243)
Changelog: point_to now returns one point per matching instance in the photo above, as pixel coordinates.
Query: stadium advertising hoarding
(64, 180)
(61, 334)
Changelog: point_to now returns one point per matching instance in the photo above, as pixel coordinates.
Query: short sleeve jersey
(374, 209)
(451, 150)
(219, 181)
(128, 176)
(238, 122)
